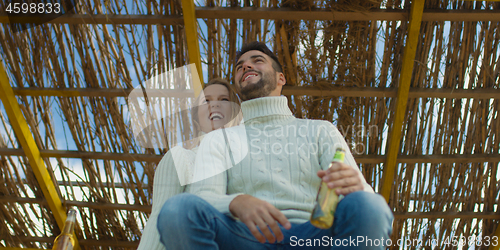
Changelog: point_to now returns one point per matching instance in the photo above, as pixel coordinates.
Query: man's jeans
(362, 221)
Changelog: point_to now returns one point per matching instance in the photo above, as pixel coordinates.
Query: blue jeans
(362, 221)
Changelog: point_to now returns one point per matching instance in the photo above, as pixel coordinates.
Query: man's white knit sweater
(273, 156)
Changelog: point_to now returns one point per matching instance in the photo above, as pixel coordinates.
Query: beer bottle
(327, 199)
(66, 240)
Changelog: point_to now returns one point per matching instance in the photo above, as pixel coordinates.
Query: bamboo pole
(417, 9)
(30, 148)
(191, 29)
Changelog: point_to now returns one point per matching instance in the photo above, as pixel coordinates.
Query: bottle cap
(71, 215)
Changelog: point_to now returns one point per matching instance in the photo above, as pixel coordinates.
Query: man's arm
(346, 176)
(258, 214)
(214, 156)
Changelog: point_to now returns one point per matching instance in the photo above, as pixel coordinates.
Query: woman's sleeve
(165, 185)
(213, 159)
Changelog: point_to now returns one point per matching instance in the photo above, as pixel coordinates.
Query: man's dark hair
(260, 46)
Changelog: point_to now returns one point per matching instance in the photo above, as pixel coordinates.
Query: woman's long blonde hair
(236, 114)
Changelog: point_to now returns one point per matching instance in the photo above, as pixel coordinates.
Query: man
(275, 166)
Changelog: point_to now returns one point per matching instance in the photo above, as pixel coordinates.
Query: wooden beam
(105, 243)
(105, 184)
(111, 206)
(432, 159)
(360, 159)
(73, 92)
(93, 205)
(259, 13)
(417, 9)
(193, 44)
(110, 243)
(292, 14)
(86, 155)
(27, 142)
(147, 209)
(95, 92)
(95, 19)
(392, 92)
(380, 14)
(145, 186)
(448, 215)
(18, 248)
(461, 15)
(101, 156)
(287, 90)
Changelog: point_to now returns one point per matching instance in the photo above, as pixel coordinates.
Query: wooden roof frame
(258, 13)
(361, 159)
(191, 13)
(287, 90)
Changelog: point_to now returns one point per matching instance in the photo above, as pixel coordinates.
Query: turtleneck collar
(275, 106)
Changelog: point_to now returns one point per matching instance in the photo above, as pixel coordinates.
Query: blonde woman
(218, 107)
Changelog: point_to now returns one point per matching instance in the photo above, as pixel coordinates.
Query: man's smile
(249, 75)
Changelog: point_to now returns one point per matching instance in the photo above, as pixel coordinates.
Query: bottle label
(339, 156)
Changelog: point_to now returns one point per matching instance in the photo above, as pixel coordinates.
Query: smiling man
(258, 80)
(264, 200)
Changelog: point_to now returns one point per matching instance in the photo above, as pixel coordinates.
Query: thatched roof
(345, 62)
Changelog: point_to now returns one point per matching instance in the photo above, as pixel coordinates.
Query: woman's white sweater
(165, 185)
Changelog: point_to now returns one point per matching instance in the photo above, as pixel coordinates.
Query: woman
(217, 107)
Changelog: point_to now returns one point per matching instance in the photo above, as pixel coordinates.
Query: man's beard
(262, 88)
